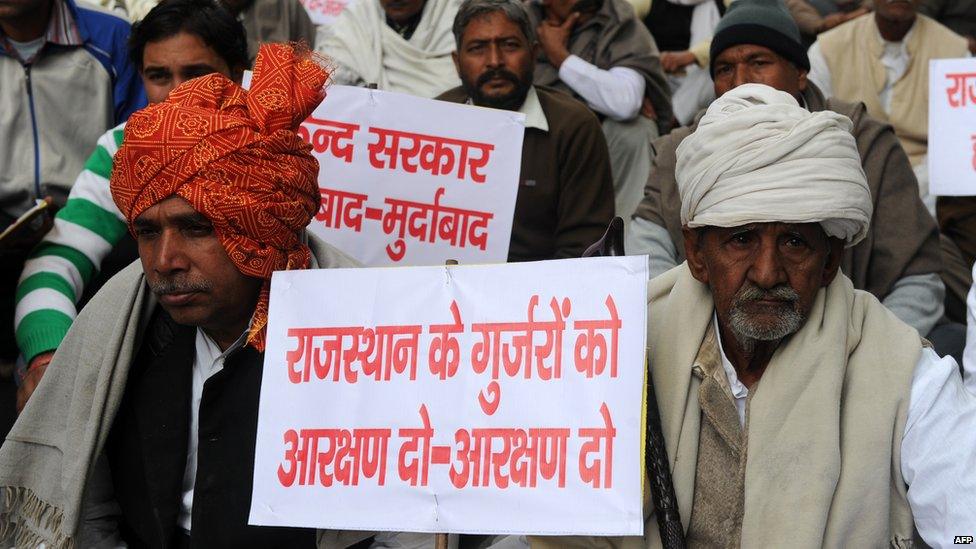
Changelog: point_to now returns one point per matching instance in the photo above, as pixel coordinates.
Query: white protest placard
(325, 12)
(473, 399)
(413, 181)
(952, 127)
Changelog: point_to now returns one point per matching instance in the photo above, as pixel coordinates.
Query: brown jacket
(902, 240)
(565, 194)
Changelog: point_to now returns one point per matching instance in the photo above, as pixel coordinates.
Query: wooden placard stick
(440, 540)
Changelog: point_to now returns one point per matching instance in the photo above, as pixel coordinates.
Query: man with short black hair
(565, 193)
(178, 40)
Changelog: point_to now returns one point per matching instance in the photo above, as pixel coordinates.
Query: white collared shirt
(535, 117)
(938, 447)
(207, 361)
(617, 93)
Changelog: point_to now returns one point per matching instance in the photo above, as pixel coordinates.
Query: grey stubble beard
(749, 333)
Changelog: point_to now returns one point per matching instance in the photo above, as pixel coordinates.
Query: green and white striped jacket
(59, 268)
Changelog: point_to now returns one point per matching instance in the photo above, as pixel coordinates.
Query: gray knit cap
(765, 23)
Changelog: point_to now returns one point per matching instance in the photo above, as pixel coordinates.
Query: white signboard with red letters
(952, 127)
(467, 399)
(325, 12)
(413, 181)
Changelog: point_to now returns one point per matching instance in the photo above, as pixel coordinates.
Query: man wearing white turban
(899, 261)
(796, 410)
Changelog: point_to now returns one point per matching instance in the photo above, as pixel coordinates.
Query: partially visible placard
(952, 127)
(503, 399)
(412, 181)
(326, 12)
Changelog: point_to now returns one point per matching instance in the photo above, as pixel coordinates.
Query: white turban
(758, 157)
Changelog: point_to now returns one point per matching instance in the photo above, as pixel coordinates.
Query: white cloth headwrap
(758, 157)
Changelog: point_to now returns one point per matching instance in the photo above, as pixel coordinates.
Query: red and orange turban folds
(235, 156)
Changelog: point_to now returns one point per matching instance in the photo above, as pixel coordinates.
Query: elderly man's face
(752, 64)
(400, 11)
(190, 272)
(495, 62)
(764, 277)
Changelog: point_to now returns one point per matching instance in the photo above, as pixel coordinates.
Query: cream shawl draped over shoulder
(366, 50)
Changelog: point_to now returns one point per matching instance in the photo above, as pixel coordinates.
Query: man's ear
(457, 62)
(694, 253)
(835, 252)
(801, 80)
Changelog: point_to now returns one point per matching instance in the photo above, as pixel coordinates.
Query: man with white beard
(796, 410)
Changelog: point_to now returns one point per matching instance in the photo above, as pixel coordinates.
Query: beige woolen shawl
(55, 490)
(367, 51)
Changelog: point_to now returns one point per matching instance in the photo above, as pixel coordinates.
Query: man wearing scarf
(399, 45)
(600, 53)
(796, 410)
(143, 429)
(899, 260)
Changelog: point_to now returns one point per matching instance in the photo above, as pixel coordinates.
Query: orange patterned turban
(235, 157)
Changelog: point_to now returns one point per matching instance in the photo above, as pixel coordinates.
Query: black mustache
(497, 73)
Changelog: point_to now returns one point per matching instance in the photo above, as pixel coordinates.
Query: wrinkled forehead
(490, 27)
(770, 228)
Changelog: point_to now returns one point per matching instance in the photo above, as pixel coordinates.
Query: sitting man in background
(64, 80)
(899, 260)
(398, 45)
(796, 410)
(144, 428)
(565, 194)
(688, 64)
(600, 53)
(264, 20)
(882, 60)
(178, 40)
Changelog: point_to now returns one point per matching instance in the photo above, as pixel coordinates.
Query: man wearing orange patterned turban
(143, 428)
